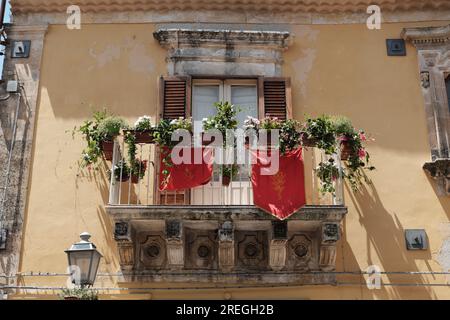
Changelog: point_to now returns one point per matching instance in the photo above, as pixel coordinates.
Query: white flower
(144, 121)
(174, 121)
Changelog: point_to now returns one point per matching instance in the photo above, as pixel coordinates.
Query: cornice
(195, 38)
(309, 6)
(427, 35)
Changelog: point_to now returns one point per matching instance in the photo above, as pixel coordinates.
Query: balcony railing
(238, 193)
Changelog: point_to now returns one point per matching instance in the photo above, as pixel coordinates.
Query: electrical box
(395, 47)
(416, 239)
(21, 49)
(12, 86)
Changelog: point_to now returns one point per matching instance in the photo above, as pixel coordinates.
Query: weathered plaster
(27, 72)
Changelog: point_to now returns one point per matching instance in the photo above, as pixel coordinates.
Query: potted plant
(319, 132)
(142, 130)
(121, 171)
(163, 138)
(225, 119)
(251, 127)
(89, 130)
(266, 126)
(79, 294)
(137, 170)
(328, 173)
(289, 135)
(353, 152)
(108, 130)
(229, 172)
(347, 136)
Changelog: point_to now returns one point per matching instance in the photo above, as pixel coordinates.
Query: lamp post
(83, 259)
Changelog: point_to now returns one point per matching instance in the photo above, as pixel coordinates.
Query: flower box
(107, 149)
(144, 136)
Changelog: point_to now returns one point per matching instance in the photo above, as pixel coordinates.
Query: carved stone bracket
(440, 171)
(277, 254)
(175, 254)
(226, 246)
(126, 254)
(327, 259)
(175, 249)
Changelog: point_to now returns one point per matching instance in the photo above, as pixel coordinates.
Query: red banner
(182, 176)
(283, 193)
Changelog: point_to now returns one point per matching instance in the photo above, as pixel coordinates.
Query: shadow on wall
(385, 238)
(444, 200)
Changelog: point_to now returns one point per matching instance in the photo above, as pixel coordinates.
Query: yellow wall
(337, 69)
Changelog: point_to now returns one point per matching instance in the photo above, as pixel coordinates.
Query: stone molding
(433, 49)
(296, 6)
(229, 18)
(223, 52)
(27, 72)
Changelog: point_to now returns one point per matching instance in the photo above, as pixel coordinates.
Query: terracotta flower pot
(145, 136)
(346, 150)
(306, 141)
(134, 178)
(107, 149)
(124, 178)
(226, 180)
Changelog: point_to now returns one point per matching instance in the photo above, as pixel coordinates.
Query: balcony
(215, 230)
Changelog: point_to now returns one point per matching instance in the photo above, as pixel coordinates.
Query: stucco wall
(337, 69)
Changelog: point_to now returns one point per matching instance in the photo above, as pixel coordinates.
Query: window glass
(203, 99)
(246, 98)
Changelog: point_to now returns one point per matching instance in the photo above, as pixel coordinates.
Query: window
(180, 96)
(242, 93)
(447, 86)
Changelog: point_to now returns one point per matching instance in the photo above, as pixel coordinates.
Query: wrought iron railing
(144, 191)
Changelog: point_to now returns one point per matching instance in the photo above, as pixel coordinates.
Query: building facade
(174, 58)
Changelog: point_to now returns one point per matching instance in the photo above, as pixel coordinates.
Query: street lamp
(83, 260)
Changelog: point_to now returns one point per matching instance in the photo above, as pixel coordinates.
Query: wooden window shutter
(174, 102)
(175, 97)
(275, 97)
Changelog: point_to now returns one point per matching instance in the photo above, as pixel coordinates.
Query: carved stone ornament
(200, 249)
(226, 232)
(152, 251)
(327, 260)
(252, 249)
(425, 79)
(299, 252)
(173, 229)
(121, 230)
(440, 171)
(330, 232)
(277, 254)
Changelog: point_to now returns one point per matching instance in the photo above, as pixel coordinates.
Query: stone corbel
(174, 239)
(125, 244)
(226, 246)
(440, 171)
(327, 259)
(278, 249)
(126, 254)
(330, 235)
